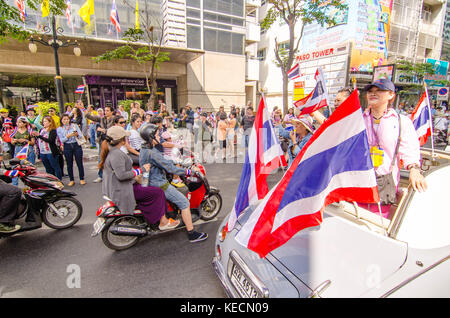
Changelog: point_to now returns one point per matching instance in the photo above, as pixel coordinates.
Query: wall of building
(213, 80)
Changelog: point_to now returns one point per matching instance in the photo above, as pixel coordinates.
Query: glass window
(192, 21)
(193, 3)
(238, 7)
(224, 42)
(224, 6)
(210, 5)
(237, 44)
(210, 40)
(209, 16)
(193, 13)
(193, 37)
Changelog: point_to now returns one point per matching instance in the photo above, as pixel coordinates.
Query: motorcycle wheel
(120, 242)
(211, 207)
(70, 207)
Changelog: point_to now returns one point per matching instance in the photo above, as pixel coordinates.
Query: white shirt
(135, 140)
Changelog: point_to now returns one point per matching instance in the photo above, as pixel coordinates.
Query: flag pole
(431, 120)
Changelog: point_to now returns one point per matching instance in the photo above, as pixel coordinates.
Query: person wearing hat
(383, 125)
(303, 130)
(120, 186)
(6, 128)
(33, 120)
(21, 139)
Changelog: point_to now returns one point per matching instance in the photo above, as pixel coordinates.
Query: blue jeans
(72, 150)
(92, 134)
(176, 197)
(31, 157)
(51, 164)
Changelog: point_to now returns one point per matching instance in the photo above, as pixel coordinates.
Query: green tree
(294, 13)
(11, 25)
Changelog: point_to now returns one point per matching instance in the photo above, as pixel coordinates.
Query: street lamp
(55, 43)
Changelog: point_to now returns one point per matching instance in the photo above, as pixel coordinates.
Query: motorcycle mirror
(106, 198)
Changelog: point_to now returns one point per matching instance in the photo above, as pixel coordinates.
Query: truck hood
(352, 257)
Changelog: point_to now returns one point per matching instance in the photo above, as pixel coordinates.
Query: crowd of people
(58, 141)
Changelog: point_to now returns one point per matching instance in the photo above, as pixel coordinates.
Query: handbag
(387, 190)
(80, 140)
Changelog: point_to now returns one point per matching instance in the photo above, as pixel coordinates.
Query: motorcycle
(440, 138)
(43, 200)
(119, 231)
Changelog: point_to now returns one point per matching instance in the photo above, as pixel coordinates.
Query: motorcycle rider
(9, 200)
(157, 177)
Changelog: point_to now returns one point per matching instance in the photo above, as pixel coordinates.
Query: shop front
(110, 91)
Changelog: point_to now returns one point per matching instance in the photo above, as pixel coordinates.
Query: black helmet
(148, 132)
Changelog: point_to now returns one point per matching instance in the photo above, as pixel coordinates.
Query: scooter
(43, 200)
(121, 231)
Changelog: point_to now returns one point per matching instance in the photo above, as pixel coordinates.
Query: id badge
(376, 153)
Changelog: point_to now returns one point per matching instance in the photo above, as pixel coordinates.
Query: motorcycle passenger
(9, 200)
(118, 182)
(157, 177)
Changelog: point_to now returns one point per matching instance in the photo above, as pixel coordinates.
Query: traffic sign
(442, 93)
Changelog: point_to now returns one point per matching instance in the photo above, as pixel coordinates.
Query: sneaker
(5, 228)
(97, 180)
(195, 236)
(71, 183)
(170, 225)
(82, 182)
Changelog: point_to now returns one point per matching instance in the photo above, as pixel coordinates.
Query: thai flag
(264, 154)
(421, 118)
(68, 13)
(114, 16)
(23, 153)
(294, 72)
(13, 133)
(333, 166)
(316, 99)
(80, 89)
(21, 5)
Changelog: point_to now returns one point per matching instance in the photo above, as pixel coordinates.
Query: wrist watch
(415, 165)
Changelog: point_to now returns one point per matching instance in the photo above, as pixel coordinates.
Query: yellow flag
(86, 10)
(137, 15)
(45, 8)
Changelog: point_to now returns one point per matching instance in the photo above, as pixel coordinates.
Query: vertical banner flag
(68, 13)
(21, 6)
(294, 72)
(86, 10)
(114, 16)
(333, 166)
(421, 118)
(45, 8)
(264, 154)
(136, 18)
(317, 98)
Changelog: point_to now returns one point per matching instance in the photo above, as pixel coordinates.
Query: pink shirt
(386, 133)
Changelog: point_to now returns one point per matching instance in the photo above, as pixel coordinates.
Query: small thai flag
(23, 153)
(294, 72)
(80, 89)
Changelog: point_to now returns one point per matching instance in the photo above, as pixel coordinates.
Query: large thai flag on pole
(114, 16)
(23, 153)
(316, 99)
(294, 72)
(333, 166)
(264, 154)
(421, 118)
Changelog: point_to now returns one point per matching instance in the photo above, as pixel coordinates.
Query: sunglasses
(122, 122)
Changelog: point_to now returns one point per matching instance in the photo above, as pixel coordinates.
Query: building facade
(205, 39)
(367, 35)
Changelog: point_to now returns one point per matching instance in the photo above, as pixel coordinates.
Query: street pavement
(47, 262)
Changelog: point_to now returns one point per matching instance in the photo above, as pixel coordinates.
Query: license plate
(98, 226)
(242, 284)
